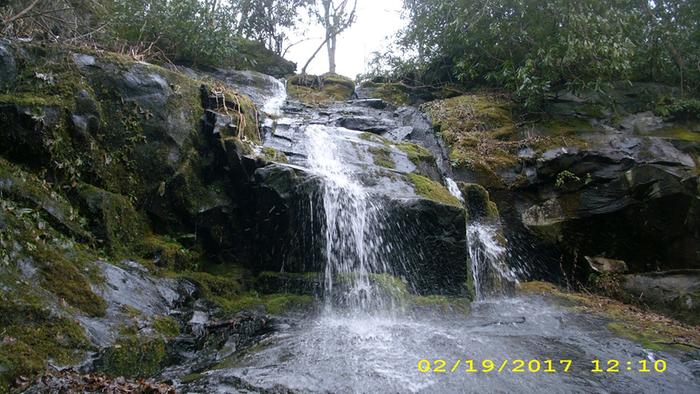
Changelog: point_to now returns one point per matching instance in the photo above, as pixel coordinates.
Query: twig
(21, 13)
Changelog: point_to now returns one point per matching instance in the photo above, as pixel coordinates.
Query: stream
(362, 341)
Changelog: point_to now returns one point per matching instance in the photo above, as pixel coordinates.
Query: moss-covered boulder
(114, 220)
(312, 89)
(477, 202)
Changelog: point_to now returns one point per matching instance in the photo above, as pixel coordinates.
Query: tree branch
(21, 13)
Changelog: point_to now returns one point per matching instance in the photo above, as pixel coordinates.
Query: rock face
(584, 182)
(673, 292)
(123, 182)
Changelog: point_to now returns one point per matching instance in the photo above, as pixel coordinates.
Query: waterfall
(486, 253)
(273, 104)
(352, 228)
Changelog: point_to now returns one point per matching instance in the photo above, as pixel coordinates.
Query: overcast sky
(377, 22)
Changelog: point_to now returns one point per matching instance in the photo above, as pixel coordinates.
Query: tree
(532, 47)
(335, 18)
(268, 20)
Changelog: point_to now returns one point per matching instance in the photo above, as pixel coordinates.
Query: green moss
(367, 136)
(64, 280)
(133, 356)
(393, 93)
(684, 132)
(63, 267)
(477, 128)
(272, 154)
(167, 326)
(432, 190)
(416, 153)
(307, 283)
(278, 304)
(382, 156)
(29, 99)
(214, 287)
(32, 335)
(169, 254)
(478, 202)
(440, 304)
(275, 304)
(316, 90)
(114, 219)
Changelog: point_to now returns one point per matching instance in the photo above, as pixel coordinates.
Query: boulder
(675, 293)
(605, 265)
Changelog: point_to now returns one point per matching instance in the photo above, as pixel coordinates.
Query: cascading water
(273, 105)
(486, 253)
(361, 352)
(352, 228)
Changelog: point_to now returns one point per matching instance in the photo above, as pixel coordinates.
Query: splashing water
(453, 188)
(485, 252)
(273, 105)
(352, 230)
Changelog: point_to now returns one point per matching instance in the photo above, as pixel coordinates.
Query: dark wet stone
(8, 67)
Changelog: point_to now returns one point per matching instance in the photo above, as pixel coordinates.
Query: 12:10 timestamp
(535, 366)
(613, 366)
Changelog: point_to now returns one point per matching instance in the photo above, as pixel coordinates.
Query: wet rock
(675, 293)
(478, 203)
(8, 67)
(282, 282)
(604, 265)
(367, 123)
(128, 290)
(372, 103)
(642, 122)
(427, 225)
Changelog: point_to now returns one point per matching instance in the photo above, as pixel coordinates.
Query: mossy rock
(272, 154)
(169, 254)
(133, 356)
(275, 304)
(381, 156)
(253, 55)
(432, 190)
(416, 153)
(166, 326)
(29, 190)
(480, 132)
(440, 305)
(478, 203)
(114, 220)
(62, 267)
(314, 90)
(393, 93)
(33, 335)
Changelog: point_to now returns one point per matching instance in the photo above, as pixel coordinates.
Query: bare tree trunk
(331, 54)
(329, 25)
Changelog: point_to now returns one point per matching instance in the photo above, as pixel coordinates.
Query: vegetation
(335, 17)
(432, 190)
(382, 156)
(207, 32)
(532, 48)
(312, 89)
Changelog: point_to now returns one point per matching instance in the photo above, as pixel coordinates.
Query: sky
(376, 24)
